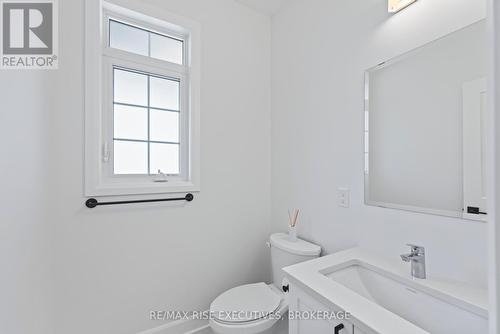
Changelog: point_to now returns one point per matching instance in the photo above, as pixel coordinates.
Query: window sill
(149, 188)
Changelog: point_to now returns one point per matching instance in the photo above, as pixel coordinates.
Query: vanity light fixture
(397, 5)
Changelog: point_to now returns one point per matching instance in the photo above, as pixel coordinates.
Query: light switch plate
(343, 197)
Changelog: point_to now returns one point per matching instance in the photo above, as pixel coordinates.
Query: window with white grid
(147, 122)
(146, 102)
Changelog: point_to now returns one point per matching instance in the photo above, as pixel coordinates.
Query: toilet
(256, 308)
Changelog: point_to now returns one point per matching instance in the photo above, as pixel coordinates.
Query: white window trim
(97, 182)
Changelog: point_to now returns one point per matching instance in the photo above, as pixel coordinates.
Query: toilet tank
(285, 252)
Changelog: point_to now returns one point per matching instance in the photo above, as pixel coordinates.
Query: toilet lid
(245, 303)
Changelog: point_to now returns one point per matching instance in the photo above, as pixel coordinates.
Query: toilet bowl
(257, 308)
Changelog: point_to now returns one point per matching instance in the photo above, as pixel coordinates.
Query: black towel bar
(92, 202)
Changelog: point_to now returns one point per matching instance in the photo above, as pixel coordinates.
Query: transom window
(144, 42)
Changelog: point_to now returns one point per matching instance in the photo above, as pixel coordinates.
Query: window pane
(130, 122)
(166, 48)
(164, 126)
(130, 88)
(164, 157)
(128, 38)
(130, 157)
(164, 93)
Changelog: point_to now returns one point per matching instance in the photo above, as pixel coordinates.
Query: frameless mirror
(424, 128)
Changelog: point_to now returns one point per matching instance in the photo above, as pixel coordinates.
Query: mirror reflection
(425, 128)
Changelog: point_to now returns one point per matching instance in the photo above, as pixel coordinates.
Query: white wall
(321, 49)
(115, 264)
(25, 231)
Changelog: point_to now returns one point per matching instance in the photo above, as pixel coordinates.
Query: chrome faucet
(417, 259)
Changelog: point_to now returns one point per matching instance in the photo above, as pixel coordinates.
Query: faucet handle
(416, 249)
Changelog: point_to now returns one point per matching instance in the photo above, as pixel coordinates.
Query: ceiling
(269, 7)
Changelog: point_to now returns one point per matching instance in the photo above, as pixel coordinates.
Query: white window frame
(100, 60)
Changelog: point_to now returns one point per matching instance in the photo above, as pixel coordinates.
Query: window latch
(105, 152)
(161, 177)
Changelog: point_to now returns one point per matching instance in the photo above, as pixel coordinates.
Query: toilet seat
(252, 325)
(245, 304)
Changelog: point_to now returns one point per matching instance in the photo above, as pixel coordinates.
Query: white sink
(404, 298)
(382, 297)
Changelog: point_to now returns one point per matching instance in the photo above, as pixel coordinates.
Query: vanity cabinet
(307, 316)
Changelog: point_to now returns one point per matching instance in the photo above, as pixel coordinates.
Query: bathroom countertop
(367, 315)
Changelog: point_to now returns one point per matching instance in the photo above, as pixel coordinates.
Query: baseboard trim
(189, 326)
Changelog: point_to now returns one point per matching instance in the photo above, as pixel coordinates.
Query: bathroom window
(148, 126)
(146, 123)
